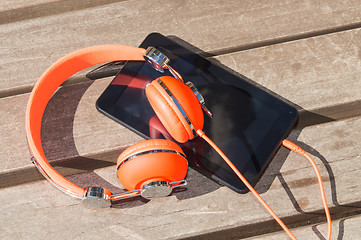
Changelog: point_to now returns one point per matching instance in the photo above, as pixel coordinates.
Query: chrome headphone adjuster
(156, 189)
(200, 98)
(96, 197)
(159, 62)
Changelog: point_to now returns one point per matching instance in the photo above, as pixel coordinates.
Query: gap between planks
(271, 226)
(211, 54)
(48, 9)
(306, 117)
(280, 40)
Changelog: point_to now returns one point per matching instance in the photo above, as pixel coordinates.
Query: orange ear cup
(168, 112)
(144, 166)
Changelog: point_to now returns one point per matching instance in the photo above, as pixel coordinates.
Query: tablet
(248, 124)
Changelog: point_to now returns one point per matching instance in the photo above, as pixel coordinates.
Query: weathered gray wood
(346, 228)
(12, 5)
(204, 208)
(309, 72)
(306, 52)
(83, 127)
(30, 46)
(75, 119)
(15, 11)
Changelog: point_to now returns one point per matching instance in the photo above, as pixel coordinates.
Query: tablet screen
(248, 123)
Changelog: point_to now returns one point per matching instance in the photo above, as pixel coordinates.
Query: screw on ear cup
(181, 117)
(151, 160)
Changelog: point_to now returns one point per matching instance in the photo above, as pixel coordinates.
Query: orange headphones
(151, 168)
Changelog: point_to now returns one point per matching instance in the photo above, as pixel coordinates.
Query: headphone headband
(45, 87)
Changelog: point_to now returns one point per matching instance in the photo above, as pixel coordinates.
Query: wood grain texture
(320, 75)
(307, 53)
(29, 47)
(77, 115)
(8, 5)
(346, 228)
(11, 12)
(289, 187)
(77, 128)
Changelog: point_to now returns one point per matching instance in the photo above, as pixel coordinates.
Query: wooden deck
(306, 52)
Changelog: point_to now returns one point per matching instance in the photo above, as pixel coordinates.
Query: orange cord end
(293, 147)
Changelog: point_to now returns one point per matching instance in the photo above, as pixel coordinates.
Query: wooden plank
(13, 127)
(204, 209)
(13, 11)
(346, 228)
(319, 75)
(12, 5)
(83, 127)
(31, 46)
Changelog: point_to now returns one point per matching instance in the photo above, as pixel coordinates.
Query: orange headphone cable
(293, 147)
(259, 198)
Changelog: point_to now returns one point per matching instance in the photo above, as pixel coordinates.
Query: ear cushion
(187, 99)
(167, 111)
(168, 114)
(147, 167)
